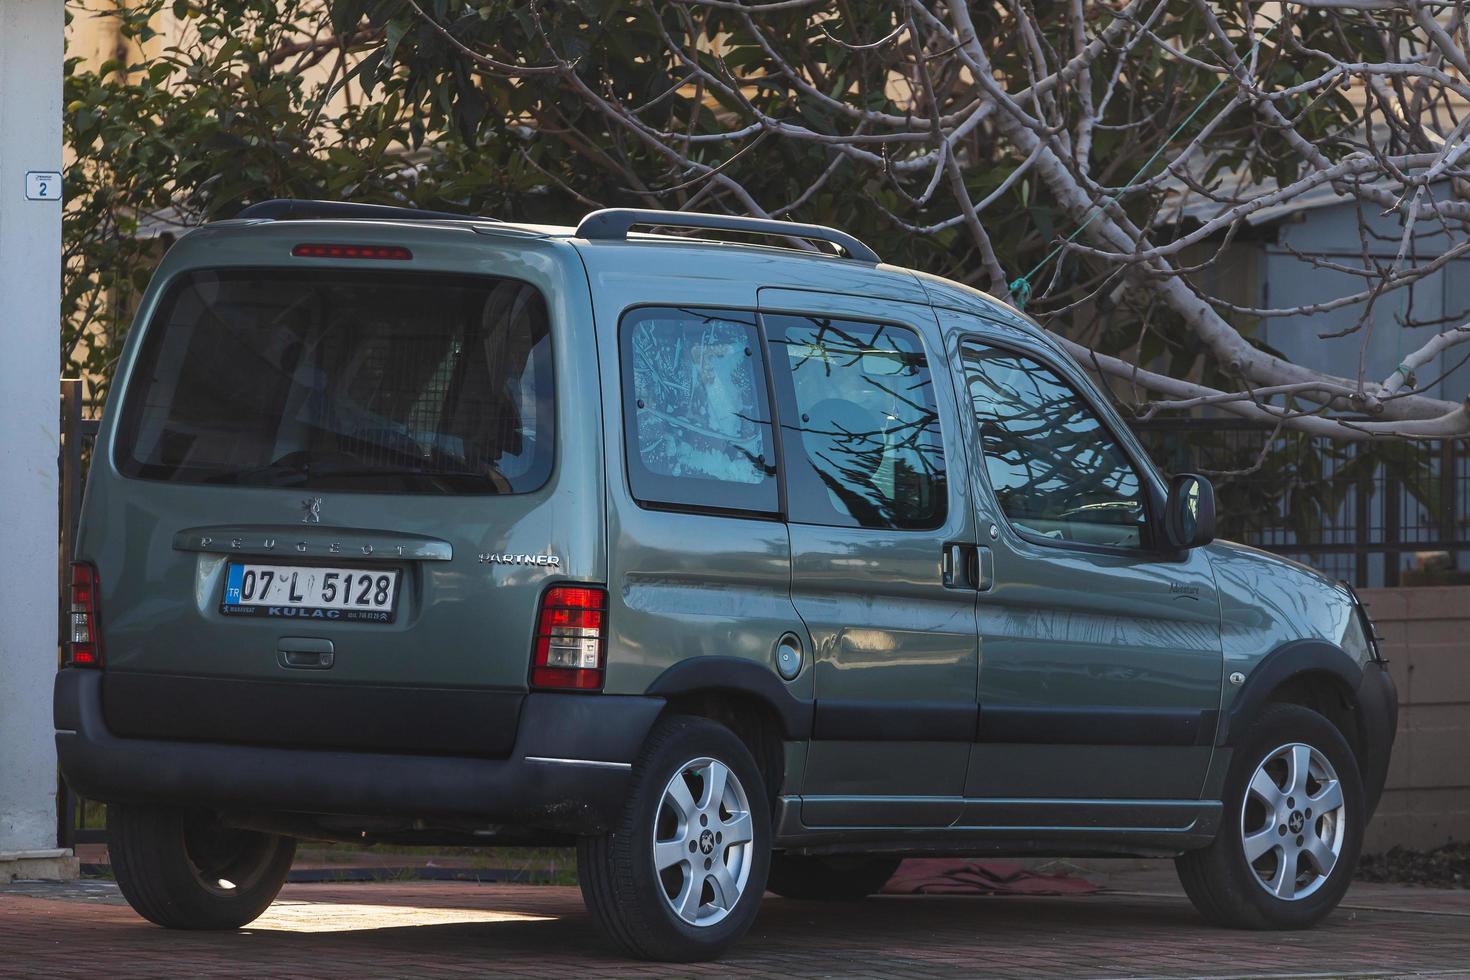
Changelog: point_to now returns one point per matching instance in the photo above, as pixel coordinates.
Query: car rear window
(343, 380)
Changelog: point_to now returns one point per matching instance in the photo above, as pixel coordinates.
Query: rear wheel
(681, 877)
(839, 877)
(182, 869)
(1291, 831)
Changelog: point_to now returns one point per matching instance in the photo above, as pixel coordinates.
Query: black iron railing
(1380, 513)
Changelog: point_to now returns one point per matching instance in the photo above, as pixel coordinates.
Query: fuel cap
(788, 656)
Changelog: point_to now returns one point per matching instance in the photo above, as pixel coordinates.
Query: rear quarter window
(696, 410)
(343, 380)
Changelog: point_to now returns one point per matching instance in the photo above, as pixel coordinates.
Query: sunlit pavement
(1140, 927)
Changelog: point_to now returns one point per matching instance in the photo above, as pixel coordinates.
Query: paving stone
(1140, 927)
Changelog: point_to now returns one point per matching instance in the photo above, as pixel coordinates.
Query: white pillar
(30, 301)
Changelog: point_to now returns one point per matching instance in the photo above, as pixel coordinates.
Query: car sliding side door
(876, 498)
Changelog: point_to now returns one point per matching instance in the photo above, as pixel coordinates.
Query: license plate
(301, 592)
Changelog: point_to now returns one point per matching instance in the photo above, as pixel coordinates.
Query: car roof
(769, 265)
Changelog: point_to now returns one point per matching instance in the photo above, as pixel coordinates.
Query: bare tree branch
(949, 109)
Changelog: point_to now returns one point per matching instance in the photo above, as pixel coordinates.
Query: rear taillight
(84, 645)
(569, 639)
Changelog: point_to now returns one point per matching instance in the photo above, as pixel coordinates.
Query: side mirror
(1189, 514)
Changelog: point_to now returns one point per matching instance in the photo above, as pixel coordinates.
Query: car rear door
(413, 419)
(877, 507)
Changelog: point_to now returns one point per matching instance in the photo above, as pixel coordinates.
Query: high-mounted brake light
(84, 645)
(328, 251)
(569, 639)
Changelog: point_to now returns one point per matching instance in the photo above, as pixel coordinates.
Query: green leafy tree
(971, 140)
(256, 100)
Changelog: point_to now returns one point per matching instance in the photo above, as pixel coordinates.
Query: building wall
(1426, 638)
(1397, 323)
(93, 33)
(30, 341)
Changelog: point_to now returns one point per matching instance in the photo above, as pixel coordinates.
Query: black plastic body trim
(284, 209)
(891, 721)
(1096, 726)
(1378, 719)
(1057, 828)
(732, 674)
(518, 792)
(312, 714)
(1369, 690)
(1279, 666)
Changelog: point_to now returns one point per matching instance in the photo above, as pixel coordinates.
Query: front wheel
(681, 877)
(1291, 831)
(182, 869)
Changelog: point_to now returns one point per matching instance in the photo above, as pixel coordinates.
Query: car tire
(182, 869)
(696, 817)
(829, 878)
(1291, 759)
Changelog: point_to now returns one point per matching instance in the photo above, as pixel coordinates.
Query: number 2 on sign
(43, 185)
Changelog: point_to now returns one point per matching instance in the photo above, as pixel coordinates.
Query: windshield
(343, 380)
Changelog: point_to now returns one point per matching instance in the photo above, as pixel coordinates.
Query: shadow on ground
(1142, 926)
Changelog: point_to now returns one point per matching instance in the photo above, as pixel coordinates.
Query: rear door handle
(305, 653)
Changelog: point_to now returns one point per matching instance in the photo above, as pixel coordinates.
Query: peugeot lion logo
(313, 508)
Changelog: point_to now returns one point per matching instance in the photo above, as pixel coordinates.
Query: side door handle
(968, 566)
(982, 571)
(955, 565)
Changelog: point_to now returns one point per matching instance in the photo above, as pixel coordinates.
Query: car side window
(859, 423)
(1057, 472)
(697, 410)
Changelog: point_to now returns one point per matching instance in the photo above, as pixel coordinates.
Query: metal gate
(1359, 511)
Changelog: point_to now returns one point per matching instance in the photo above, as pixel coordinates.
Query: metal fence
(1375, 514)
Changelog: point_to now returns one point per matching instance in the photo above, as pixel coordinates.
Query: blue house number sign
(43, 185)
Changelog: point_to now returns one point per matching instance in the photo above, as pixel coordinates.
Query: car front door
(876, 495)
(1101, 662)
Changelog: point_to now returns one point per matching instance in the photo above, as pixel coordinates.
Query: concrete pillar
(30, 300)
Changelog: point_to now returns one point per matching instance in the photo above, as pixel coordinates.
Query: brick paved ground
(442, 929)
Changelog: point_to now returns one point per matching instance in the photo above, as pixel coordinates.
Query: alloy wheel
(1293, 821)
(703, 842)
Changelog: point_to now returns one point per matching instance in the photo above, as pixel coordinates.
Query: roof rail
(284, 209)
(613, 224)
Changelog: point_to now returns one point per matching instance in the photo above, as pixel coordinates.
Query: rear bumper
(568, 773)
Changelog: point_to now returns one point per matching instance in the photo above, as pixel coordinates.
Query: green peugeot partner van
(739, 565)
